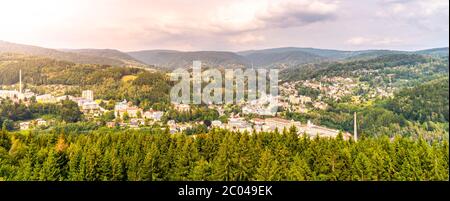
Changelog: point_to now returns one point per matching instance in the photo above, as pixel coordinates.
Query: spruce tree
(269, 168)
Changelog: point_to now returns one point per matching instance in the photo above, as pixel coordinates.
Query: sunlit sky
(226, 24)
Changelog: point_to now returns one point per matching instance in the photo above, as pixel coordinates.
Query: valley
(60, 103)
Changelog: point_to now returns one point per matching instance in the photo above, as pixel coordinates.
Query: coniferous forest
(155, 155)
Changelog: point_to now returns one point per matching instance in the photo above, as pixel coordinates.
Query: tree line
(65, 110)
(155, 155)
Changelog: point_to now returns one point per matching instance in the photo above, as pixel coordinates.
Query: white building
(313, 130)
(155, 115)
(46, 98)
(26, 95)
(320, 105)
(80, 101)
(277, 123)
(182, 107)
(24, 125)
(136, 122)
(11, 94)
(238, 124)
(216, 123)
(90, 106)
(41, 122)
(305, 99)
(88, 95)
(294, 99)
(65, 97)
(121, 105)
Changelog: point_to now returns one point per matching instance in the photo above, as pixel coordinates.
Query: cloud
(429, 14)
(414, 8)
(235, 22)
(254, 15)
(246, 39)
(244, 16)
(373, 41)
(298, 13)
(226, 25)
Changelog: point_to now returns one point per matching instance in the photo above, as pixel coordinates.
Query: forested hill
(425, 102)
(170, 59)
(126, 59)
(283, 57)
(348, 68)
(435, 51)
(107, 82)
(40, 71)
(104, 57)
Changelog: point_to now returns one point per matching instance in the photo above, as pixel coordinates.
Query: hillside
(285, 57)
(281, 57)
(371, 54)
(107, 82)
(293, 56)
(267, 58)
(82, 57)
(107, 53)
(435, 51)
(174, 59)
(425, 102)
(404, 65)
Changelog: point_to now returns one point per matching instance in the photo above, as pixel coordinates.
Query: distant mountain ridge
(104, 57)
(266, 58)
(172, 59)
(443, 51)
(122, 57)
(283, 57)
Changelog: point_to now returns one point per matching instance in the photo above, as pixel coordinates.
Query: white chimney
(20, 80)
(355, 132)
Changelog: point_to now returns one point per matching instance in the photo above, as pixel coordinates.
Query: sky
(228, 25)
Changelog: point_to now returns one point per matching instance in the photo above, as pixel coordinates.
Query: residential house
(136, 122)
(24, 125)
(216, 123)
(124, 107)
(88, 95)
(41, 122)
(111, 124)
(155, 115)
(320, 105)
(46, 98)
(182, 107)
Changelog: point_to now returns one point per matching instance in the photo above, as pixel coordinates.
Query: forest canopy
(217, 155)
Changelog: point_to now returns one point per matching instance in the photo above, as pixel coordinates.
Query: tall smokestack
(20, 80)
(355, 132)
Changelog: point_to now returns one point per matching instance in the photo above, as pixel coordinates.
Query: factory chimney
(20, 80)
(355, 132)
